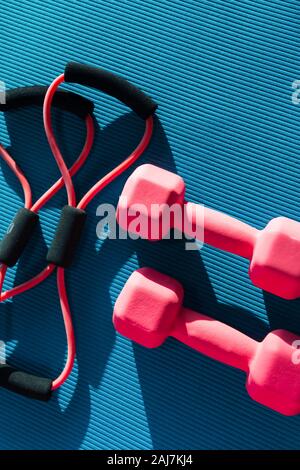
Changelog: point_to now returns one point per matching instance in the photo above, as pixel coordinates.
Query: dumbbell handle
(214, 339)
(218, 229)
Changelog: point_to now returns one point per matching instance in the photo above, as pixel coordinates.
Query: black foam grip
(67, 236)
(17, 236)
(113, 85)
(29, 385)
(66, 100)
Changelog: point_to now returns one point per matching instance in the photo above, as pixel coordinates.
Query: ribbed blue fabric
(222, 73)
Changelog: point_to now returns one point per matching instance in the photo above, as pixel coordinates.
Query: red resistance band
(25, 220)
(145, 108)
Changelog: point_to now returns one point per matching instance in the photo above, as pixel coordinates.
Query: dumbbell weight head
(275, 265)
(149, 185)
(145, 314)
(274, 373)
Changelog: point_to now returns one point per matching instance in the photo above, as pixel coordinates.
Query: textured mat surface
(222, 72)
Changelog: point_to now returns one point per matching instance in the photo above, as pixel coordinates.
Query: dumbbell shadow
(282, 313)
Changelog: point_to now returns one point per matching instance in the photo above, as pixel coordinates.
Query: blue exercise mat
(222, 73)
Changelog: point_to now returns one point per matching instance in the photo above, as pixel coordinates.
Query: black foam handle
(67, 236)
(66, 100)
(29, 385)
(113, 85)
(17, 236)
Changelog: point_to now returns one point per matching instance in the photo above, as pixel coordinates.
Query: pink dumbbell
(149, 309)
(274, 251)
